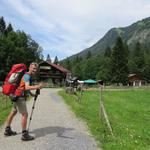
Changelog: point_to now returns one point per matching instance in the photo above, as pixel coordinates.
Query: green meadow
(128, 112)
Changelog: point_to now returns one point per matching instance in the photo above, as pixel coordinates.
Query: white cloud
(65, 27)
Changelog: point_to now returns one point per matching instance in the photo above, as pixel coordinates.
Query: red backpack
(13, 79)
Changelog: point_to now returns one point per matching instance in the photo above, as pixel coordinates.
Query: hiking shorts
(20, 105)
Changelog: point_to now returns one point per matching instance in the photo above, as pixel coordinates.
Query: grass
(4, 109)
(128, 112)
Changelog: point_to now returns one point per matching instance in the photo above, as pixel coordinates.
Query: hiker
(20, 104)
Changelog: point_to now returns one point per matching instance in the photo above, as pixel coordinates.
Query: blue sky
(66, 27)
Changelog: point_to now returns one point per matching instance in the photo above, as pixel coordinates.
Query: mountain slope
(137, 32)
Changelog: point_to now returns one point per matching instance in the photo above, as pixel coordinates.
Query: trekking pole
(35, 98)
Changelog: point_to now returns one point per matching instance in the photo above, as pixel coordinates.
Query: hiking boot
(26, 136)
(9, 132)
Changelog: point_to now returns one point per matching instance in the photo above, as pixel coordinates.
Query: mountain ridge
(136, 32)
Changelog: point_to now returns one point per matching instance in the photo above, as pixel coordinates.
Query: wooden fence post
(102, 110)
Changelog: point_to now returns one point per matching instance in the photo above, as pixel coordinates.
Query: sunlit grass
(128, 112)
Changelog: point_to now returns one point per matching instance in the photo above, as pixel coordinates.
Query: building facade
(54, 72)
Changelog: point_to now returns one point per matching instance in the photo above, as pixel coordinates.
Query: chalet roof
(58, 67)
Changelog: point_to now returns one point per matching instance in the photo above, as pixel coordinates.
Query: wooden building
(55, 72)
(134, 80)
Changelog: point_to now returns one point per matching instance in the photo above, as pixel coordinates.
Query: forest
(16, 47)
(113, 65)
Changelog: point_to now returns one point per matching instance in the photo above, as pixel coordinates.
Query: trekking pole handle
(37, 92)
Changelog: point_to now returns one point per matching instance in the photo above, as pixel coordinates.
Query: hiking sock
(7, 128)
(24, 131)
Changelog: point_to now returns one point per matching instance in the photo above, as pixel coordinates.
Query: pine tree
(90, 68)
(77, 70)
(104, 70)
(9, 29)
(139, 59)
(68, 64)
(119, 69)
(48, 58)
(56, 60)
(2, 26)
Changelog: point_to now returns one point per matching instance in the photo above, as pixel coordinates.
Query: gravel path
(54, 126)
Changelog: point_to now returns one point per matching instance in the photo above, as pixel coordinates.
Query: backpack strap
(21, 88)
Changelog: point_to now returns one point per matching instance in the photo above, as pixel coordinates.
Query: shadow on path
(41, 132)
